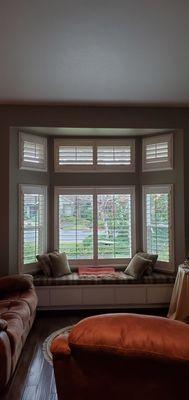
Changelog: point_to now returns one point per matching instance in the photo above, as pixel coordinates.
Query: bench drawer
(158, 294)
(64, 296)
(130, 295)
(96, 295)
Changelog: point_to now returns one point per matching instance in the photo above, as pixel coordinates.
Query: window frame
(94, 143)
(35, 139)
(95, 190)
(158, 165)
(165, 188)
(27, 189)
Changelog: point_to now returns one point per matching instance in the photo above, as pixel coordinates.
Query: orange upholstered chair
(123, 356)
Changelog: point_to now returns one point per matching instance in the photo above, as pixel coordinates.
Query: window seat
(74, 292)
(119, 278)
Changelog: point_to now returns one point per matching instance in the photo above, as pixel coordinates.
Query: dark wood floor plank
(53, 386)
(36, 367)
(45, 382)
(29, 393)
(53, 397)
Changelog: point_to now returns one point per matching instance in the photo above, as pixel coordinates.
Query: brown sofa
(18, 302)
(123, 356)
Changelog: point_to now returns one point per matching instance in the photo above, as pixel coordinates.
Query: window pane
(33, 231)
(76, 226)
(157, 224)
(114, 225)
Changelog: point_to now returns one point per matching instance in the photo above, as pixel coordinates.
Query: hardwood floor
(34, 377)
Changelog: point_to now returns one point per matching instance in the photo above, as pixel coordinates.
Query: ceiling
(88, 132)
(131, 52)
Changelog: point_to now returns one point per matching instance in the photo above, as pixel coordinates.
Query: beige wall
(81, 116)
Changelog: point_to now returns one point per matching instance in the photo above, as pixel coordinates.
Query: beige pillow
(60, 265)
(137, 266)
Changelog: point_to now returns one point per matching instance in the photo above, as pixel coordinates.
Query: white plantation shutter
(157, 203)
(33, 222)
(114, 155)
(75, 155)
(94, 155)
(33, 152)
(157, 153)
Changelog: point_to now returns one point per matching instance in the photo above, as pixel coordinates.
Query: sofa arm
(60, 347)
(16, 282)
(3, 324)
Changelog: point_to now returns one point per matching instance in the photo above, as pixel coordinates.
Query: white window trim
(94, 143)
(94, 191)
(159, 165)
(168, 188)
(33, 139)
(26, 188)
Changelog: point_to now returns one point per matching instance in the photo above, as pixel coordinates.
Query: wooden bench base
(75, 297)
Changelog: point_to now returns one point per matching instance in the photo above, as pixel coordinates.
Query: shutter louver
(33, 226)
(114, 155)
(75, 155)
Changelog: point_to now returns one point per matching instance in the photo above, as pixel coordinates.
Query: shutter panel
(75, 155)
(33, 222)
(157, 153)
(114, 155)
(157, 224)
(33, 152)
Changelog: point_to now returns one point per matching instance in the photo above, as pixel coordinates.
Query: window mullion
(95, 161)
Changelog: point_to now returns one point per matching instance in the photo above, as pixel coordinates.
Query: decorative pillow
(137, 266)
(152, 257)
(60, 265)
(45, 263)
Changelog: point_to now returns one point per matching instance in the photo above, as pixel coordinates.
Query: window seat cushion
(120, 278)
